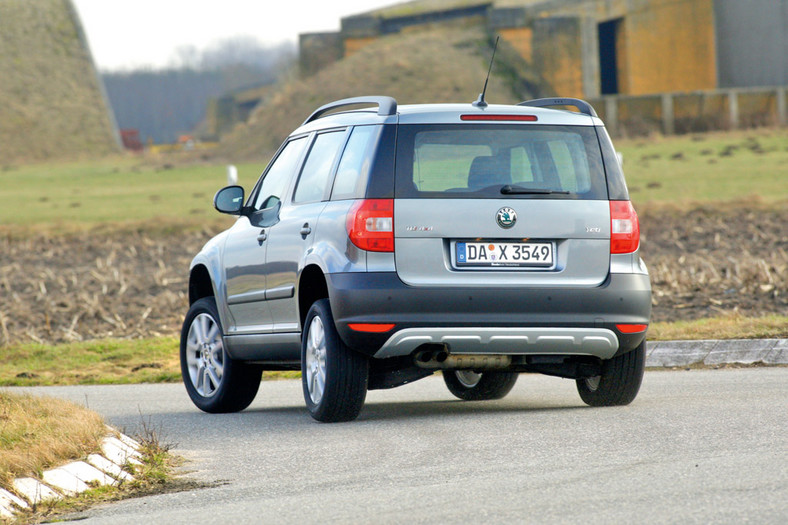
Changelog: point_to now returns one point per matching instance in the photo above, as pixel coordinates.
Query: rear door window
(354, 168)
(477, 161)
(313, 184)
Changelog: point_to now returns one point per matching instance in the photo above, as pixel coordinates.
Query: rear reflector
(501, 118)
(624, 227)
(631, 328)
(375, 328)
(370, 225)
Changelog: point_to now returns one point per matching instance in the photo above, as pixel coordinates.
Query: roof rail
(386, 106)
(581, 105)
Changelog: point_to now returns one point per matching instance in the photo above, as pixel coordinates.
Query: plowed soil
(703, 263)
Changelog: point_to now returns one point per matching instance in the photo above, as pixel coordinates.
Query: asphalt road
(701, 446)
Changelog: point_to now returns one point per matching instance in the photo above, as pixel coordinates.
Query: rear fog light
(631, 328)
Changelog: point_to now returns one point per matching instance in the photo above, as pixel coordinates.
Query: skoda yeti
(384, 243)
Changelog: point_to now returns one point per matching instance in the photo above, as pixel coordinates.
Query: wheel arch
(200, 283)
(312, 286)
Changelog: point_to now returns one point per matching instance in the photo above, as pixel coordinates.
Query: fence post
(782, 118)
(668, 121)
(611, 114)
(733, 109)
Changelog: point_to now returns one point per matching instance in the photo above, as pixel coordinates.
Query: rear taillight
(624, 227)
(370, 225)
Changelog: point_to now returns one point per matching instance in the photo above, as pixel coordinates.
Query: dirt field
(703, 263)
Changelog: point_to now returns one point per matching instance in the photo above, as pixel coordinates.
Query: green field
(113, 190)
(680, 171)
(750, 165)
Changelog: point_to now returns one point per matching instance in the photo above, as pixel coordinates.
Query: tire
(619, 382)
(215, 383)
(334, 377)
(470, 386)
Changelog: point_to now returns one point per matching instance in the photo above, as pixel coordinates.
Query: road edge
(711, 352)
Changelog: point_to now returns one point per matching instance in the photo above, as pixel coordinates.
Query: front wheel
(215, 382)
(472, 386)
(334, 377)
(619, 382)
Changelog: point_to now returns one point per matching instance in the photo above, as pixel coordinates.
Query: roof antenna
(480, 102)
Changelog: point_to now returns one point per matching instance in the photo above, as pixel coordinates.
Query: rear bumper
(569, 321)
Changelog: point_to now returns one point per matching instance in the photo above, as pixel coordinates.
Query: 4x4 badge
(506, 217)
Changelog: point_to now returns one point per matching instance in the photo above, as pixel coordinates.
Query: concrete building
(589, 48)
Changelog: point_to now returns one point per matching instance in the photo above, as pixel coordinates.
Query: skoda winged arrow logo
(506, 217)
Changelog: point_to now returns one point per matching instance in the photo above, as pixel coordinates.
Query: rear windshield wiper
(519, 190)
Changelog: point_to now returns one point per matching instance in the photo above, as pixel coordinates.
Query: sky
(127, 34)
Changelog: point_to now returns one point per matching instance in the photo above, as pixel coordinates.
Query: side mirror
(229, 200)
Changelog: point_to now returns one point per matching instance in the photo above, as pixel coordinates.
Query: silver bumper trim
(598, 342)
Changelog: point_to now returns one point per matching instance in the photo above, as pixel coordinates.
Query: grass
(726, 327)
(714, 167)
(127, 191)
(98, 362)
(42, 441)
(155, 360)
(114, 190)
(110, 361)
(37, 433)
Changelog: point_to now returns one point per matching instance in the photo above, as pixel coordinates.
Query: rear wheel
(619, 382)
(472, 386)
(215, 382)
(334, 377)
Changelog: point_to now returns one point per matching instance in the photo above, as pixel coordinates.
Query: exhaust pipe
(441, 359)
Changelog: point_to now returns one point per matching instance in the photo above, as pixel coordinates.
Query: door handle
(305, 229)
(261, 237)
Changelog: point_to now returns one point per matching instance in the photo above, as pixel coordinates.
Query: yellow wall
(352, 45)
(521, 39)
(558, 55)
(669, 47)
(662, 45)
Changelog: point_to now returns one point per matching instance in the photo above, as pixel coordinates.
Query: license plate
(504, 254)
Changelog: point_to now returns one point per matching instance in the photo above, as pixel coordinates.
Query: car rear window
(477, 161)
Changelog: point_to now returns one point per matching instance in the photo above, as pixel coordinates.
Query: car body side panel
(211, 257)
(333, 251)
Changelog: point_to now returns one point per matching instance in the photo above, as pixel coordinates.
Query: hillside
(438, 65)
(50, 100)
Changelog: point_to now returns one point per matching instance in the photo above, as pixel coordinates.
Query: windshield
(479, 161)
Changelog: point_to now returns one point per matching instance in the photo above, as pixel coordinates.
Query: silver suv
(384, 244)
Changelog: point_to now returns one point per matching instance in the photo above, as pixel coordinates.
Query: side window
(279, 174)
(355, 164)
(315, 176)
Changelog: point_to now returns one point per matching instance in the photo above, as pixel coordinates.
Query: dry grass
(88, 286)
(716, 259)
(129, 284)
(731, 326)
(420, 7)
(37, 433)
(439, 65)
(49, 93)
